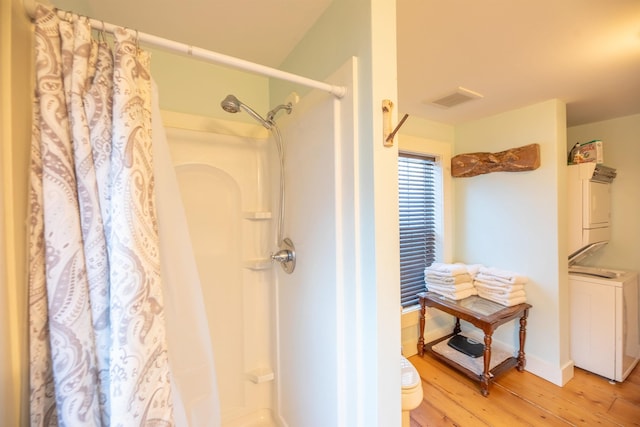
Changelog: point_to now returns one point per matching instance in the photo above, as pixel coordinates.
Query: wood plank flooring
(523, 399)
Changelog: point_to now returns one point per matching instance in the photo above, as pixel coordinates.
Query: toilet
(411, 389)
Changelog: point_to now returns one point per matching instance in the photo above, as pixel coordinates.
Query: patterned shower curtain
(98, 352)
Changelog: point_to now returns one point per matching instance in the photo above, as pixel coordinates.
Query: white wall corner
(558, 375)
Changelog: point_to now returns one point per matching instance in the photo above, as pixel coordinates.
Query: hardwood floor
(523, 399)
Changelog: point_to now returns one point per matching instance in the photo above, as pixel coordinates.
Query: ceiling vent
(458, 97)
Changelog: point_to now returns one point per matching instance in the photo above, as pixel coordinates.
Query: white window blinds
(416, 179)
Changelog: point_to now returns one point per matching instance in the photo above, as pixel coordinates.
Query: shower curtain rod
(207, 55)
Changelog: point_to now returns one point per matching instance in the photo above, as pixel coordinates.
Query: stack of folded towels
(454, 281)
(501, 286)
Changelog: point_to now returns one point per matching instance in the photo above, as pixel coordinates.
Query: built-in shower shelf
(258, 264)
(257, 216)
(258, 376)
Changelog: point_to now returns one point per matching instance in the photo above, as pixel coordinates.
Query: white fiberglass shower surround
(284, 344)
(276, 336)
(225, 185)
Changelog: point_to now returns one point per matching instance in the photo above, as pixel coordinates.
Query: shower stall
(279, 342)
(220, 178)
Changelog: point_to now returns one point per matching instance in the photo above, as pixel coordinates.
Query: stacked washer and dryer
(604, 321)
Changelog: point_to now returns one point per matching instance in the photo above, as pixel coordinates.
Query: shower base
(259, 418)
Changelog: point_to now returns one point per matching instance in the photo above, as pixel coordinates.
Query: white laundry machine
(605, 326)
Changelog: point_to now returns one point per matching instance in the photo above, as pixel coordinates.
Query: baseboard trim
(556, 375)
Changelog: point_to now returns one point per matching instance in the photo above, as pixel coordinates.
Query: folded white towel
(489, 293)
(458, 295)
(501, 275)
(512, 281)
(446, 278)
(497, 292)
(509, 302)
(452, 269)
(473, 269)
(449, 288)
(492, 284)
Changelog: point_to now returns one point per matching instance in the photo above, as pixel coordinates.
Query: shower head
(231, 104)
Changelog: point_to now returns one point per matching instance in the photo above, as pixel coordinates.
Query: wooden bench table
(483, 314)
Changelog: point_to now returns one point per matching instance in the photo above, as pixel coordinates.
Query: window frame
(418, 196)
(441, 152)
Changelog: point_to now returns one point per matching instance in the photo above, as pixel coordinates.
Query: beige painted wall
(516, 221)
(621, 139)
(15, 126)
(190, 86)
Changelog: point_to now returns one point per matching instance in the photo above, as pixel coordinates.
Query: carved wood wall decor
(519, 159)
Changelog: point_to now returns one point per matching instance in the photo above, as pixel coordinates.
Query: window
(417, 197)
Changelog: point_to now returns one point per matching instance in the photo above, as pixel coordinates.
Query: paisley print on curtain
(139, 350)
(97, 334)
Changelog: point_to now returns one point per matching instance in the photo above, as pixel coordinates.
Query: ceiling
(513, 53)
(517, 53)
